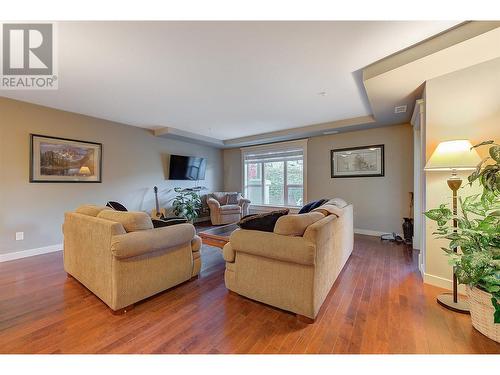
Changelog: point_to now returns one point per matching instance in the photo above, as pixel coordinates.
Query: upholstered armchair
(227, 207)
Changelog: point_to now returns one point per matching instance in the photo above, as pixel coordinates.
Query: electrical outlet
(19, 236)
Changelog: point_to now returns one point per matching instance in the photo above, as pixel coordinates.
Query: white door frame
(418, 123)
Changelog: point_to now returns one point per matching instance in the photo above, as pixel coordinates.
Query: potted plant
(186, 204)
(477, 265)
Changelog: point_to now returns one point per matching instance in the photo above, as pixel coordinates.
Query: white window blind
(274, 175)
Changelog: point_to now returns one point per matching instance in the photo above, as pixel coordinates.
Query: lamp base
(446, 300)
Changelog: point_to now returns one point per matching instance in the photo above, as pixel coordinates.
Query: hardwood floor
(378, 305)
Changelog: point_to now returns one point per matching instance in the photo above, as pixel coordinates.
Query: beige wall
(232, 170)
(460, 105)
(379, 202)
(133, 162)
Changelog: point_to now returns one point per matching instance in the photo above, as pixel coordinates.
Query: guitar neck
(157, 203)
(157, 213)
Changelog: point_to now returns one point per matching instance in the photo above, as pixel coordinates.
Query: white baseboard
(29, 253)
(421, 264)
(368, 232)
(441, 282)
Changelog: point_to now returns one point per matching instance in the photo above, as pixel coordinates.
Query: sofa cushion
(230, 208)
(232, 198)
(296, 225)
(264, 222)
(219, 196)
(131, 221)
(140, 242)
(311, 206)
(339, 202)
(329, 209)
(269, 245)
(91, 209)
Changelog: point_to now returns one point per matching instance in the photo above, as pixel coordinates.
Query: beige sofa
(224, 212)
(122, 259)
(295, 267)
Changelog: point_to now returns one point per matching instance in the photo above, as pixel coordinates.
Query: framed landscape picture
(366, 161)
(64, 160)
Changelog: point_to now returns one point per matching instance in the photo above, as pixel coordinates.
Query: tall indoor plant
(478, 237)
(186, 204)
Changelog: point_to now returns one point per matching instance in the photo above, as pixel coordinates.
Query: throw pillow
(232, 198)
(247, 216)
(264, 222)
(312, 205)
(116, 206)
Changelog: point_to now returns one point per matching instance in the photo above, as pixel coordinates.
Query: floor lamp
(453, 156)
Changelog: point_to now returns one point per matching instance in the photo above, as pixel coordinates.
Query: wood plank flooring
(378, 305)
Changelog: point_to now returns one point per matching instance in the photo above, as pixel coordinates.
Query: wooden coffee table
(218, 236)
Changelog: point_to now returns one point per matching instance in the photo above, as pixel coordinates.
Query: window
(274, 174)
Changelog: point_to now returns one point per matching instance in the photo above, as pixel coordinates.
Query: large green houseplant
(186, 204)
(478, 234)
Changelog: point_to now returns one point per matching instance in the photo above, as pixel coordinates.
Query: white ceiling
(403, 84)
(222, 79)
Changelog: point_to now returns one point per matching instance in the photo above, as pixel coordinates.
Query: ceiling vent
(400, 109)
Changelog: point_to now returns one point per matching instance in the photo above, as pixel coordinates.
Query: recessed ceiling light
(322, 93)
(330, 132)
(400, 109)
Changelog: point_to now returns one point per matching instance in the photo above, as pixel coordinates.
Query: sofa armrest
(146, 241)
(196, 244)
(228, 253)
(272, 245)
(213, 203)
(243, 201)
(244, 204)
(319, 233)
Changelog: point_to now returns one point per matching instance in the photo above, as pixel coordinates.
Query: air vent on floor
(400, 109)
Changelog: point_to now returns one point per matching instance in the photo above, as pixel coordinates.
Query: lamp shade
(84, 171)
(453, 155)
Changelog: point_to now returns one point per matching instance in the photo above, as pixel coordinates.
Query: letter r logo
(27, 49)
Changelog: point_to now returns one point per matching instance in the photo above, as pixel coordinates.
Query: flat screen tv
(187, 168)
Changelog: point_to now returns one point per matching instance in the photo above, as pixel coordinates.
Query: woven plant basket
(481, 312)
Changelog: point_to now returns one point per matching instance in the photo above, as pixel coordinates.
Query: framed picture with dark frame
(55, 159)
(366, 161)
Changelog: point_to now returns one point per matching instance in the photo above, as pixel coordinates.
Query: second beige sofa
(295, 267)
